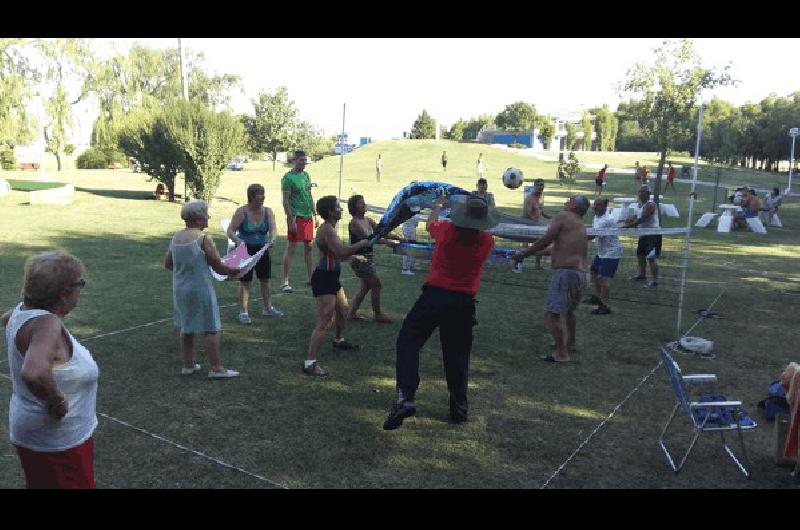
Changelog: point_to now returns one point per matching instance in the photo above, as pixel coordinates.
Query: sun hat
(474, 213)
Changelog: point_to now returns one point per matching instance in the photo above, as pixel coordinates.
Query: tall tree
(586, 124)
(457, 130)
(606, 126)
(270, 130)
(424, 127)
(17, 76)
(571, 136)
(309, 139)
(668, 89)
(474, 126)
(518, 116)
(547, 129)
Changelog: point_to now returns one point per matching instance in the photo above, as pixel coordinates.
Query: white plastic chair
(225, 223)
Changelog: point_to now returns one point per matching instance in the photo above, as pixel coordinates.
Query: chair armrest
(700, 378)
(714, 404)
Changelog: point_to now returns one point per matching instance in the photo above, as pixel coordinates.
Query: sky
(386, 83)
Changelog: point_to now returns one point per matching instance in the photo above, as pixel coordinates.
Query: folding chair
(225, 223)
(706, 414)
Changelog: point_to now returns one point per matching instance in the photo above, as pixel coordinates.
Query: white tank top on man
(30, 425)
(608, 247)
(650, 222)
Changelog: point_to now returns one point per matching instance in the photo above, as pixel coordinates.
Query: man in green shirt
(299, 208)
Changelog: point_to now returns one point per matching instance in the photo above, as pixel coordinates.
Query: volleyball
(512, 178)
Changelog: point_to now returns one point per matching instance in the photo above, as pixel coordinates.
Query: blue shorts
(605, 267)
(748, 214)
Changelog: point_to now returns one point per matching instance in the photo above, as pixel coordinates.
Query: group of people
(752, 205)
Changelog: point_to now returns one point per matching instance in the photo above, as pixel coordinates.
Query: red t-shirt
(602, 174)
(671, 174)
(458, 257)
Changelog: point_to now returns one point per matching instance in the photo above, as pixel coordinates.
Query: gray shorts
(565, 290)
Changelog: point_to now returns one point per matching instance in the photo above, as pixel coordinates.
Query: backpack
(774, 403)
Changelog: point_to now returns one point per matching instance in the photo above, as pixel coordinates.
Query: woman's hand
(58, 410)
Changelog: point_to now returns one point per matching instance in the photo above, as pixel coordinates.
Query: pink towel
(790, 381)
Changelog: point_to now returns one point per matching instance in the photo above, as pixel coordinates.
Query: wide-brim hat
(473, 212)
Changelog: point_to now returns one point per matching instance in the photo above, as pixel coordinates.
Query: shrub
(7, 159)
(92, 158)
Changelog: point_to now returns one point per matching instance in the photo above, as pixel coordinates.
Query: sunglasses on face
(79, 284)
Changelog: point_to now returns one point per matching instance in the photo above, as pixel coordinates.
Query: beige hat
(473, 213)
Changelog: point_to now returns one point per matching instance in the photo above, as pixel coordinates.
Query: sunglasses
(80, 284)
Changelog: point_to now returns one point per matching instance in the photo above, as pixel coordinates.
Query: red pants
(305, 230)
(70, 469)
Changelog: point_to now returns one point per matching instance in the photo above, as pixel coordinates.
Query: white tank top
(30, 425)
(652, 221)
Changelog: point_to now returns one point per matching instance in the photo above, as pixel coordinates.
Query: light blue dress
(193, 296)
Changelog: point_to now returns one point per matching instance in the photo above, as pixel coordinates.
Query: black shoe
(593, 300)
(345, 346)
(637, 277)
(457, 419)
(399, 412)
(602, 310)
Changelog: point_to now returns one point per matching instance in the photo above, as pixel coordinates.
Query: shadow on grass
(121, 194)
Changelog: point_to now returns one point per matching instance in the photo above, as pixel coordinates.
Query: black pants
(454, 314)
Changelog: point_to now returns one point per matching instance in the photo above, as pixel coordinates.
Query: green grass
(527, 417)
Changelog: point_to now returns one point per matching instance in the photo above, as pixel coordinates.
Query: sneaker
(593, 300)
(272, 312)
(286, 288)
(315, 369)
(399, 412)
(345, 345)
(652, 285)
(224, 374)
(407, 272)
(517, 268)
(190, 371)
(602, 310)
(244, 318)
(636, 277)
(383, 318)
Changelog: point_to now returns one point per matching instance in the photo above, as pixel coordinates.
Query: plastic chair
(225, 223)
(705, 414)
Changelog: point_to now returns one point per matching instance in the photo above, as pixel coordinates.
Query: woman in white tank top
(54, 378)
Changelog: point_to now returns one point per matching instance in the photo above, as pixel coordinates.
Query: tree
(17, 126)
(310, 140)
(519, 116)
(208, 140)
(474, 126)
(571, 136)
(424, 128)
(571, 170)
(144, 135)
(586, 123)
(457, 130)
(668, 90)
(69, 62)
(270, 130)
(606, 127)
(546, 129)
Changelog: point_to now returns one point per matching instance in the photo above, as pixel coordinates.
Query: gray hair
(47, 276)
(193, 210)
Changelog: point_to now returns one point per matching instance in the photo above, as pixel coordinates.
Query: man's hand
(316, 222)
(292, 225)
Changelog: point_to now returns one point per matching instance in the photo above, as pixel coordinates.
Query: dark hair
(752, 192)
(351, 203)
(325, 205)
(482, 181)
(776, 190)
(252, 190)
(299, 153)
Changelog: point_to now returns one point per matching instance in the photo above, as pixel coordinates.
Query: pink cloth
(790, 381)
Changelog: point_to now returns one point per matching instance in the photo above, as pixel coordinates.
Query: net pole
(688, 238)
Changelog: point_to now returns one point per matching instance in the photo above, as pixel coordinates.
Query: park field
(276, 427)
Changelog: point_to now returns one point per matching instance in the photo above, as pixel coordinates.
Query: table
(726, 218)
(620, 214)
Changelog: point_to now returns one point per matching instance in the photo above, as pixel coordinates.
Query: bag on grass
(774, 403)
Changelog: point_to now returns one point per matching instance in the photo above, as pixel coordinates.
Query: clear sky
(387, 82)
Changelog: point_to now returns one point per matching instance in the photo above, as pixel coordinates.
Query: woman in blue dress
(196, 310)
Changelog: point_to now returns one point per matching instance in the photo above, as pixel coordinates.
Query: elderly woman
(331, 300)
(196, 311)
(254, 225)
(54, 378)
(361, 228)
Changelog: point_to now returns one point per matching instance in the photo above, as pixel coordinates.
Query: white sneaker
(244, 318)
(407, 272)
(190, 371)
(223, 374)
(272, 312)
(286, 288)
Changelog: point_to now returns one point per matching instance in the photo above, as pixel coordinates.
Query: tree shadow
(121, 194)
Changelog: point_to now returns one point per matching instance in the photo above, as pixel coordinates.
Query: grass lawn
(526, 418)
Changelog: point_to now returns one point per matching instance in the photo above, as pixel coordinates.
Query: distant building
(341, 146)
(364, 141)
(575, 118)
(533, 139)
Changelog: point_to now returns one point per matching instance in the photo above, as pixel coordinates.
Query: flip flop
(551, 359)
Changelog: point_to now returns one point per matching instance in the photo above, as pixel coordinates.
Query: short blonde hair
(193, 210)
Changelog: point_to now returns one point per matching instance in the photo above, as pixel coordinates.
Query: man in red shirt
(600, 180)
(447, 302)
(670, 178)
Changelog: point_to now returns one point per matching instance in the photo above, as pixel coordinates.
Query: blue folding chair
(707, 413)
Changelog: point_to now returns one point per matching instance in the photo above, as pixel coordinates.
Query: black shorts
(444, 163)
(325, 282)
(598, 182)
(648, 244)
(263, 268)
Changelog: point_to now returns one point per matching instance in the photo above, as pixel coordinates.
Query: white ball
(512, 178)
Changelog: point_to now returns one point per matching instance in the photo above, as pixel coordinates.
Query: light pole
(793, 132)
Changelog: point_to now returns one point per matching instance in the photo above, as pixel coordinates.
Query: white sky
(387, 82)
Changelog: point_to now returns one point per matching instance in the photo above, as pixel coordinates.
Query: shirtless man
(568, 235)
(533, 208)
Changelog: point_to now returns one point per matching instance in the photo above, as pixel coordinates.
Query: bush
(92, 158)
(7, 159)
(115, 156)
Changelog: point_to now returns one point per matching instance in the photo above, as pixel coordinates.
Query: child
(410, 236)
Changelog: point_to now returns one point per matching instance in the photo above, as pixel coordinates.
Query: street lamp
(793, 132)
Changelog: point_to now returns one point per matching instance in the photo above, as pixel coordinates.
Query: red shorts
(305, 230)
(70, 469)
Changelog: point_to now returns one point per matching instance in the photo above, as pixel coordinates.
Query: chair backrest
(675, 378)
(224, 223)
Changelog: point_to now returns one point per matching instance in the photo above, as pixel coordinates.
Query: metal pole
(341, 152)
(185, 91)
(687, 239)
(791, 162)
